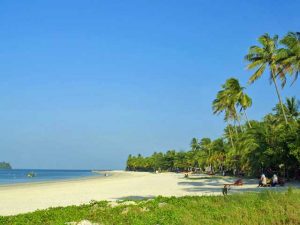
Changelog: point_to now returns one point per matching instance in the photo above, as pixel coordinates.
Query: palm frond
(257, 74)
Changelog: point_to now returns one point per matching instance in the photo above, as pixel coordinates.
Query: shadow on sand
(134, 198)
(215, 186)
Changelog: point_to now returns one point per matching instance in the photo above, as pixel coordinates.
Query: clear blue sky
(85, 83)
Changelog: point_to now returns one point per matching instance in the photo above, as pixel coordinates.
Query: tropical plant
(265, 56)
(194, 144)
(289, 56)
(238, 97)
(224, 103)
(292, 105)
(267, 146)
(245, 102)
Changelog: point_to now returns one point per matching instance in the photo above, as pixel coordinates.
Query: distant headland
(5, 166)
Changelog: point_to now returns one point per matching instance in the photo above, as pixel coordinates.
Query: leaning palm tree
(245, 102)
(289, 56)
(265, 56)
(226, 101)
(223, 104)
(236, 92)
(232, 89)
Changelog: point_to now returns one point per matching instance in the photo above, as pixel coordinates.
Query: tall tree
(194, 144)
(245, 102)
(292, 105)
(206, 146)
(290, 55)
(237, 95)
(265, 56)
(220, 104)
(232, 90)
(225, 103)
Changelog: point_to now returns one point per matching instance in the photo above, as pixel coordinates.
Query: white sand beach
(22, 198)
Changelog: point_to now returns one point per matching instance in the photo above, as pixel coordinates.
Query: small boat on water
(31, 174)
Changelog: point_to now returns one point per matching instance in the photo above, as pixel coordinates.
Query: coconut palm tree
(225, 102)
(290, 55)
(194, 144)
(238, 96)
(222, 104)
(228, 134)
(292, 106)
(206, 146)
(245, 102)
(232, 90)
(265, 56)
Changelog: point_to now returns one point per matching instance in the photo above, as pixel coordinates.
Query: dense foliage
(5, 165)
(271, 145)
(251, 208)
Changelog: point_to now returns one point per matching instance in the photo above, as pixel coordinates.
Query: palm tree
(221, 104)
(236, 92)
(292, 106)
(194, 144)
(232, 90)
(261, 58)
(225, 102)
(218, 153)
(206, 146)
(228, 133)
(290, 55)
(245, 102)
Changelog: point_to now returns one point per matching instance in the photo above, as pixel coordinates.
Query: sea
(15, 176)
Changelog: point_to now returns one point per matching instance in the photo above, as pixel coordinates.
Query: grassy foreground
(251, 208)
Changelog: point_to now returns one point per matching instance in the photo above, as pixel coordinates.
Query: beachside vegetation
(250, 147)
(248, 208)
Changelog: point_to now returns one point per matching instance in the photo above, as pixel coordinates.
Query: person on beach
(262, 181)
(274, 180)
(225, 189)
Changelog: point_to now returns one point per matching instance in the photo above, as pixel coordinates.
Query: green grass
(250, 208)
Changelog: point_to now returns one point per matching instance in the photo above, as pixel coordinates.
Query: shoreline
(58, 180)
(119, 185)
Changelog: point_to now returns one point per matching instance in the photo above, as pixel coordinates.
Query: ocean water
(21, 175)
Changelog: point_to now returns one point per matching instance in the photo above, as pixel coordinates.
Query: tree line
(5, 165)
(246, 146)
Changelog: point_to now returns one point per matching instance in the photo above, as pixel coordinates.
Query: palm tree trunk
(239, 123)
(279, 98)
(249, 124)
(238, 119)
(230, 136)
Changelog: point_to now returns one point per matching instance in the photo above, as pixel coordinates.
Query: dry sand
(22, 198)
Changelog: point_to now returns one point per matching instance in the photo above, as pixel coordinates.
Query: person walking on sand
(264, 179)
(225, 189)
(274, 180)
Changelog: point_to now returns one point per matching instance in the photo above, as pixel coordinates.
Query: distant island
(5, 166)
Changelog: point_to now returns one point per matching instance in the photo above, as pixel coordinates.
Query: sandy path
(23, 198)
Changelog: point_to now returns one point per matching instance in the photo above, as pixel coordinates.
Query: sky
(85, 83)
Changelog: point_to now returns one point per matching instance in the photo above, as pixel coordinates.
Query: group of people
(263, 182)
